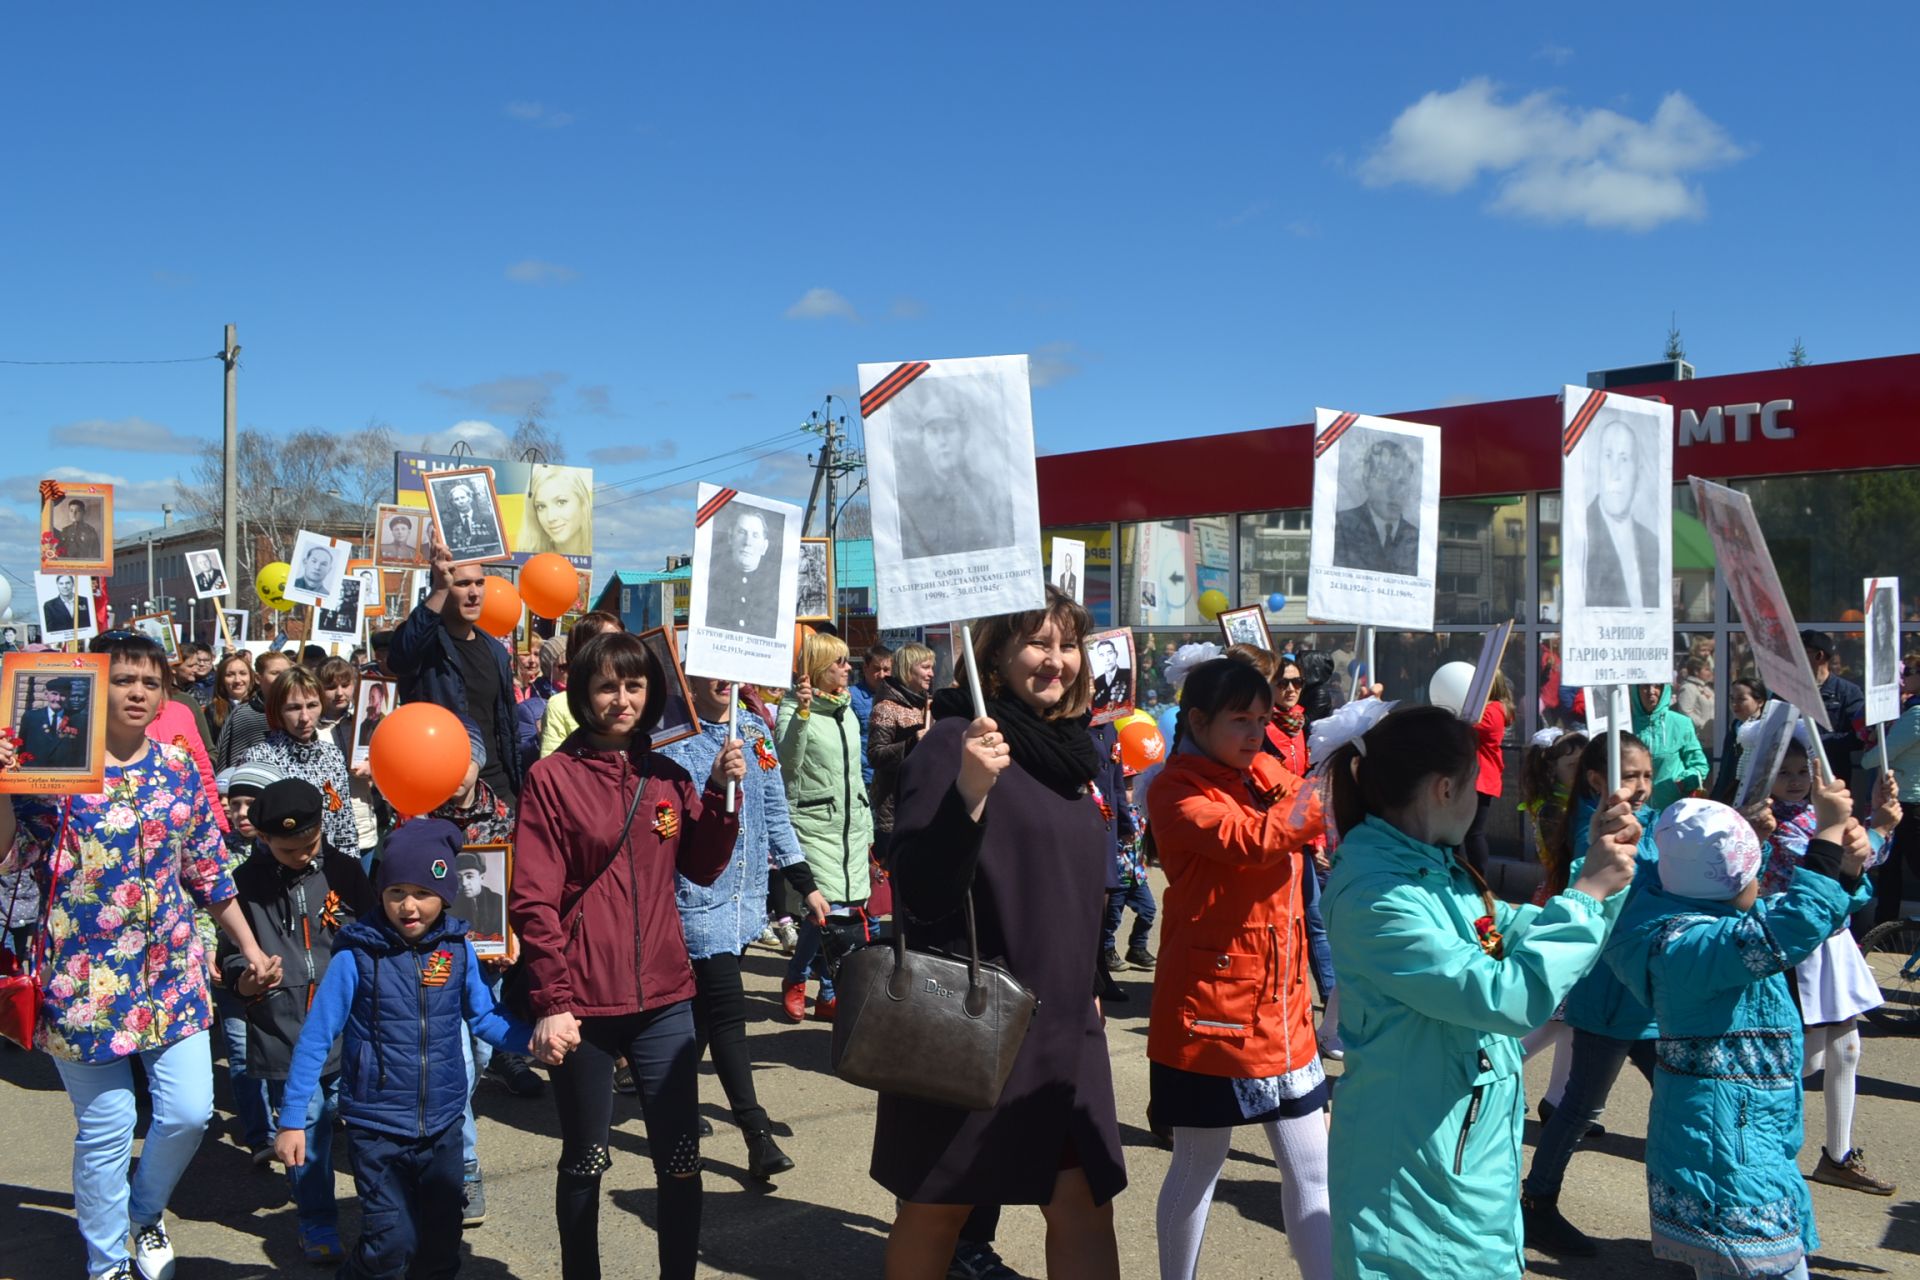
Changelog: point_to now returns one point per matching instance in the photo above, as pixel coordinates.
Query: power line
(677, 483)
(698, 462)
(182, 360)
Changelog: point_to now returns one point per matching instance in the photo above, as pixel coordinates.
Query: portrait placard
(373, 603)
(402, 537)
(76, 527)
(208, 573)
(1493, 648)
(1616, 538)
(319, 564)
(815, 601)
(956, 516)
(466, 511)
(159, 628)
(746, 578)
(1376, 521)
(1246, 626)
(237, 620)
(1069, 568)
(677, 718)
(54, 705)
(483, 872)
(1762, 749)
(1746, 566)
(339, 623)
(66, 607)
(1110, 654)
(1882, 674)
(544, 507)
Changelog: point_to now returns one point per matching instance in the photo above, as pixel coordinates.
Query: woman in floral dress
(125, 973)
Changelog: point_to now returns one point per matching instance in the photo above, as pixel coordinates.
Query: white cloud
(597, 399)
(1552, 162)
(482, 437)
(615, 454)
(639, 530)
(515, 394)
(535, 272)
(128, 495)
(822, 304)
(135, 435)
(1052, 363)
(539, 114)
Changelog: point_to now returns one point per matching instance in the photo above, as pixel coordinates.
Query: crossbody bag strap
(626, 829)
(53, 885)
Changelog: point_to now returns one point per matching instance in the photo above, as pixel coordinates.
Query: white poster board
(1376, 521)
(1747, 568)
(66, 607)
(746, 582)
(237, 623)
(1598, 719)
(1763, 745)
(208, 573)
(1882, 682)
(339, 623)
(956, 514)
(318, 565)
(1616, 539)
(1069, 568)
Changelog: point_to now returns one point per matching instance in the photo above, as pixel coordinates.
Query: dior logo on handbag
(933, 988)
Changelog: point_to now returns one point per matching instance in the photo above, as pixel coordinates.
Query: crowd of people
(241, 888)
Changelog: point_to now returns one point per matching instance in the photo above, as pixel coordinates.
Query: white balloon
(1449, 685)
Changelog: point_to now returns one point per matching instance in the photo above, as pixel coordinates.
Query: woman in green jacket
(1679, 763)
(819, 744)
(1437, 980)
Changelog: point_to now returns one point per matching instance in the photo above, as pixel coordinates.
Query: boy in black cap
(298, 893)
(406, 987)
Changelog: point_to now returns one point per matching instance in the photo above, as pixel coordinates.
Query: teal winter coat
(1723, 1135)
(1679, 762)
(831, 813)
(1425, 1150)
(1599, 1003)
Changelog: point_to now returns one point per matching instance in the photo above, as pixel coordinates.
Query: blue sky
(678, 231)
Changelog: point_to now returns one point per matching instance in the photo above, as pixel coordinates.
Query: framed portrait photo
(466, 511)
(158, 627)
(76, 527)
(677, 718)
(482, 873)
(208, 573)
(402, 537)
(236, 624)
(1110, 658)
(373, 603)
(815, 602)
(339, 623)
(371, 703)
(1247, 625)
(66, 607)
(53, 704)
(319, 564)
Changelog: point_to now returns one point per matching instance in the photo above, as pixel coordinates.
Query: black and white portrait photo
(467, 512)
(400, 538)
(372, 702)
(677, 717)
(340, 622)
(747, 557)
(236, 620)
(209, 578)
(318, 565)
(956, 519)
(480, 897)
(1110, 659)
(1881, 679)
(1246, 626)
(1622, 552)
(66, 612)
(743, 573)
(1069, 568)
(1380, 489)
(1616, 538)
(815, 600)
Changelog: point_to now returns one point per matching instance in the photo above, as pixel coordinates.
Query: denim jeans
(312, 1183)
(1140, 898)
(478, 1053)
(1597, 1061)
(806, 953)
(1319, 954)
(249, 1094)
(180, 1078)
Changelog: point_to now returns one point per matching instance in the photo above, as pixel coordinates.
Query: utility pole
(230, 486)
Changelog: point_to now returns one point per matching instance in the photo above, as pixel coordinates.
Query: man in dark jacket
(298, 893)
(440, 655)
(1844, 700)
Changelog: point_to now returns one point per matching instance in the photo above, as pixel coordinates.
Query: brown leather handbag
(929, 1026)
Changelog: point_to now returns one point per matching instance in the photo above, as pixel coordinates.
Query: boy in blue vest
(405, 985)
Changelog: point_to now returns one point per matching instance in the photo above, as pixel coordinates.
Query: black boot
(1139, 957)
(1111, 992)
(1549, 1232)
(1110, 961)
(765, 1159)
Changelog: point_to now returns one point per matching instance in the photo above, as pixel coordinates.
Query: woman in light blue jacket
(1437, 980)
(722, 918)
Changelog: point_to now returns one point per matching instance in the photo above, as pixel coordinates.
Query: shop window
(1097, 593)
(1828, 532)
(1273, 561)
(1693, 560)
(1167, 565)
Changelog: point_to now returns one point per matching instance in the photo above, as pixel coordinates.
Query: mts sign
(1710, 425)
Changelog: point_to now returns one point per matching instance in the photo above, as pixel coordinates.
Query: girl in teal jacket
(1708, 954)
(1438, 979)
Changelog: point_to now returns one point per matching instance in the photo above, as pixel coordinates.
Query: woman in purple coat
(1001, 806)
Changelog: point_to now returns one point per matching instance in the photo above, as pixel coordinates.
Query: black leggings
(659, 1047)
(1475, 845)
(720, 1021)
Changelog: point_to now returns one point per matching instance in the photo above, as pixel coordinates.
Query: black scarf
(898, 692)
(1059, 754)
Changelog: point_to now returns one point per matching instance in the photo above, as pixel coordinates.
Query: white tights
(1558, 1036)
(1837, 1048)
(1299, 1149)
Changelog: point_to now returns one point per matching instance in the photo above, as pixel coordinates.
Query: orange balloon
(419, 755)
(549, 584)
(1852, 615)
(500, 609)
(1141, 745)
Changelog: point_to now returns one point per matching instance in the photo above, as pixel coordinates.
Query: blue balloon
(1276, 602)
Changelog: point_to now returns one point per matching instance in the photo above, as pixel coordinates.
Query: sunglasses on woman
(1289, 682)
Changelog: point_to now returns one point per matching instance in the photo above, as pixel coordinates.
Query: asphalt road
(826, 1218)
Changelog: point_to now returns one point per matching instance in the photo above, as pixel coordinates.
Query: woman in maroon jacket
(605, 822)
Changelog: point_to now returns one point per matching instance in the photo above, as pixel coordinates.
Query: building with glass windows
(1830, 455)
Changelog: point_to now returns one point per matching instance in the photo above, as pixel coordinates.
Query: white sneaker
(1331, 1047)
(768, 938)
(153, 1252)
(789, 938)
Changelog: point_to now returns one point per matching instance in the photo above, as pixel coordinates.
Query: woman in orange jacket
(1231, 1038)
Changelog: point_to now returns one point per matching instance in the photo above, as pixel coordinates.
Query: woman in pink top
(176, 724)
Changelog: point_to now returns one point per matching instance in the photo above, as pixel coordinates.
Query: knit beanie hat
(247, 779)
(552, 654)
(1707, 850)
(422, 851)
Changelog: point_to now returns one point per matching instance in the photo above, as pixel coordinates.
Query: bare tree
(366, 474)
(533, 433)
(283, 483)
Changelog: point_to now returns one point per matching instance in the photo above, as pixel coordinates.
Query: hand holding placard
(984, 756)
